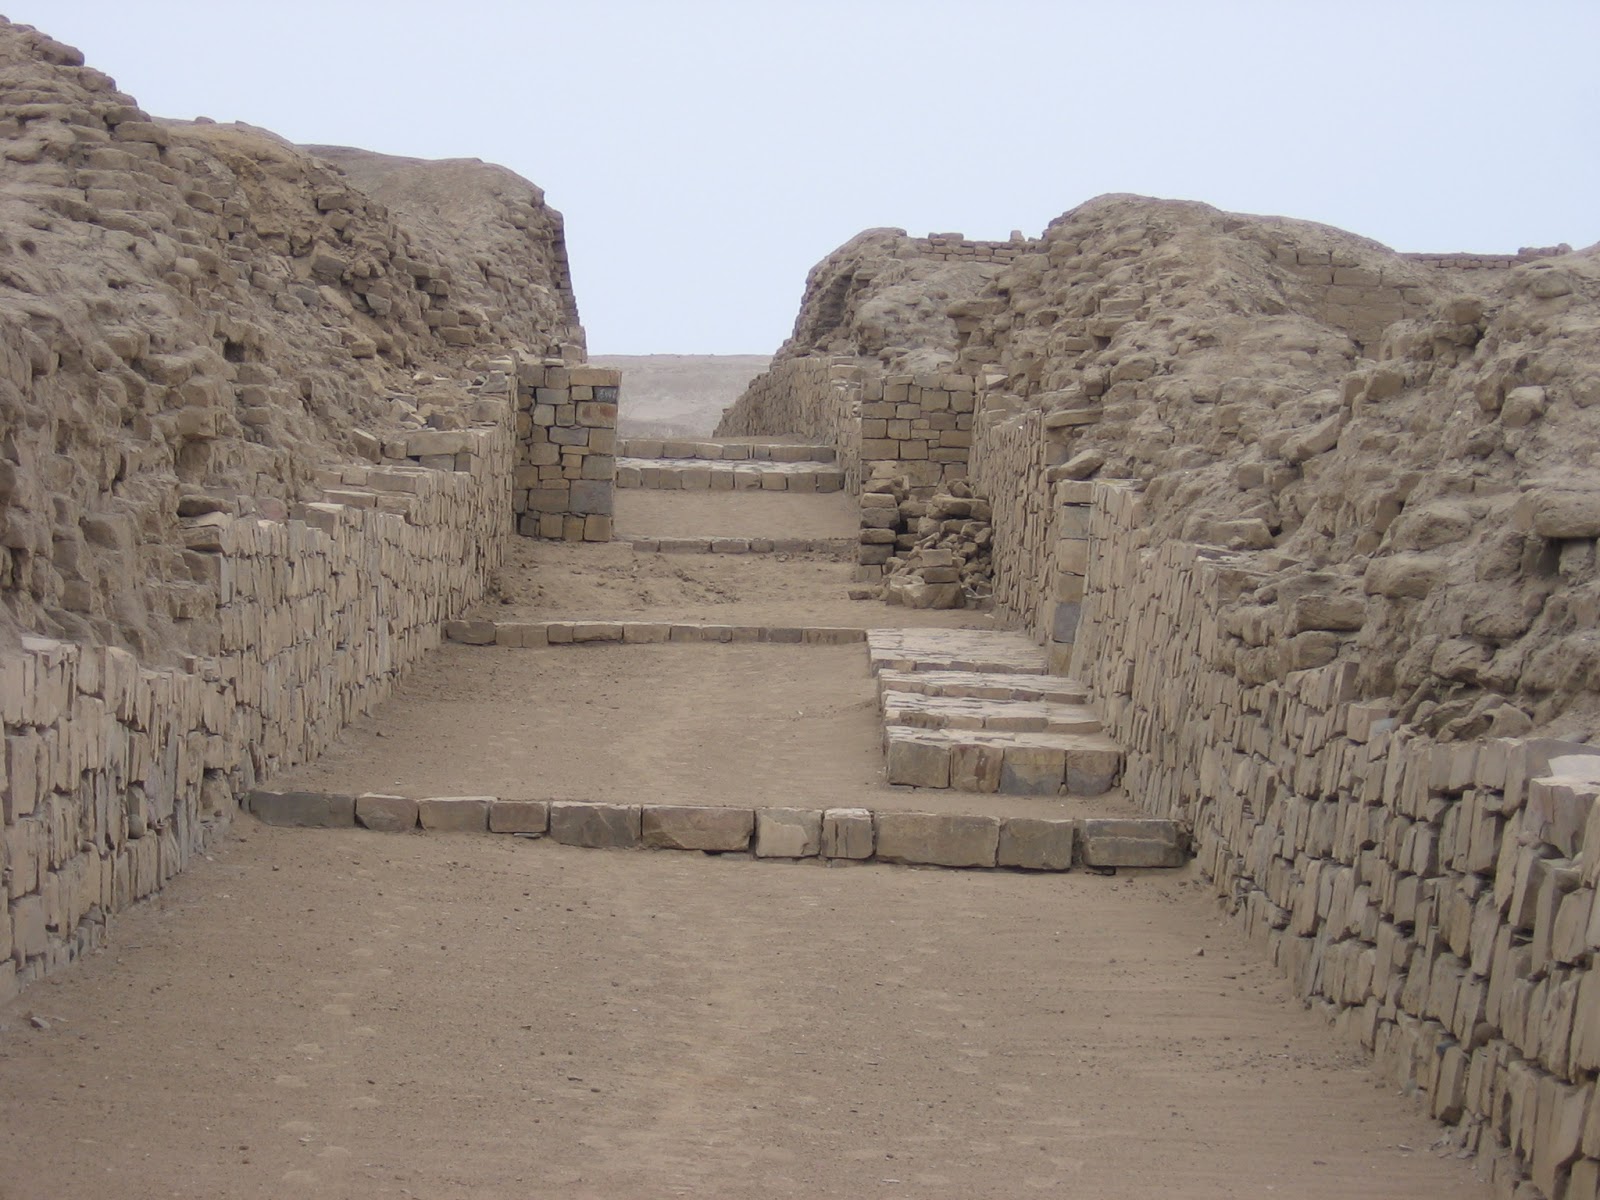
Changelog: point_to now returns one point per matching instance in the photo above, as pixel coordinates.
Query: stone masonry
(566, 451)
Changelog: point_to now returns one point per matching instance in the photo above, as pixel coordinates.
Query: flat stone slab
(788, 833)
(715, 451)
(971, 650)
(938, 839)
(981, 685)
(1120, 842)
(961, 712)
(1038, 764)
(528, 817)
(454, 814)
(386, 814)
(596, 826)
(688, 474)
(847, 833)
(1037, 843)
(309, 810)
(706, 827)
(536, 634)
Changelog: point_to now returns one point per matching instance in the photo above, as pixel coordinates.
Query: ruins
(1173, 536)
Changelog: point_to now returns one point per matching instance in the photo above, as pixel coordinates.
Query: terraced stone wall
(114, 775)
(1437, 900)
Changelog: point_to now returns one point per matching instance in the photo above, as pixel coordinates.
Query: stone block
(975, 767)
(597, 826)
(1032, 770)
(454, 814)
(386, 814)
(696, 827)
(917, 762)
(519, 816)
(938, 839)
(788, 833)
(1037, 843)
(847, 833)
(310, 810)
(1110, 842)
(591, 496)
(1091, 772)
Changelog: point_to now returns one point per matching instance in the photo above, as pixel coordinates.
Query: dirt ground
(552, 581)
(646, 513)
(368, 1015)
(688, 724)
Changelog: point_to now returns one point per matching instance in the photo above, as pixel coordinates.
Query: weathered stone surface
(454, 814)
(975, 767)
(1091, 772)
(1032, 770)
(1036, 843)
(938, 839)
(915, 762)
(696, 827)
(387, 814)
(788, 833)
(1109, 842)
(598, 826)
(847, 833)
(314, 810)
(519, 816)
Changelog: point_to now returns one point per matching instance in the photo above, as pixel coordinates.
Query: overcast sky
(707, 154)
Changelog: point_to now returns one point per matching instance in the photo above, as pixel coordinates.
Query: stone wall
(566, 450)
(115, 775)
(816, 399)
(1435, 900)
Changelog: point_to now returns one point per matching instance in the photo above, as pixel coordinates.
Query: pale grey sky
(707, 153)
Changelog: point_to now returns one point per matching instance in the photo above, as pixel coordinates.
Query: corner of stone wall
(566, 470)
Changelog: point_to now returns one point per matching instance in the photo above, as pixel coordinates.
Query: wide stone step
(686, 474)
(981, 760)
(1001, 716)
(981, 685)
(529, 634)
(971, 650)
(720, 451)
(958, 840)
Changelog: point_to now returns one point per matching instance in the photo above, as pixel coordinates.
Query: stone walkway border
(844, 834)
(841, 548)
(685, 474)
(716, 451)
(633, 633)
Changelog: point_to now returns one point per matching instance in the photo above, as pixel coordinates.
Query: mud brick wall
(114, 775)
(566, 451)
(1437, 901)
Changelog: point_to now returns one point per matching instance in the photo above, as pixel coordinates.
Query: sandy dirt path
(366, 1015)
(687, 724)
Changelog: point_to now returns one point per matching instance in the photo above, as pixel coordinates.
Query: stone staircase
(728, 466)
(974, 711)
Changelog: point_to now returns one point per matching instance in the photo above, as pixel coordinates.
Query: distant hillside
(679, 395)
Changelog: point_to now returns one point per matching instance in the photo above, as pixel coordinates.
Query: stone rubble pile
(933, 552)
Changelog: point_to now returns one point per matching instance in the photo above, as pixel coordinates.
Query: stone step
(714, 451)
(851, 834)
(639, 633)
(981, 685)
(832, 547)
(687, 474)
(971, 650)
(921, 711)
(1021, 764)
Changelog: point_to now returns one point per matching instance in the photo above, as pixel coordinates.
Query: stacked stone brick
(115, 775)
(566, 451)
(1436, 900)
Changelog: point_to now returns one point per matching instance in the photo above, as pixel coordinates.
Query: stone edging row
(849, 834)
(563, 633)
(836, 547)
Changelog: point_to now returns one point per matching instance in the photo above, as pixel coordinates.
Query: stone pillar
(566, 451)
